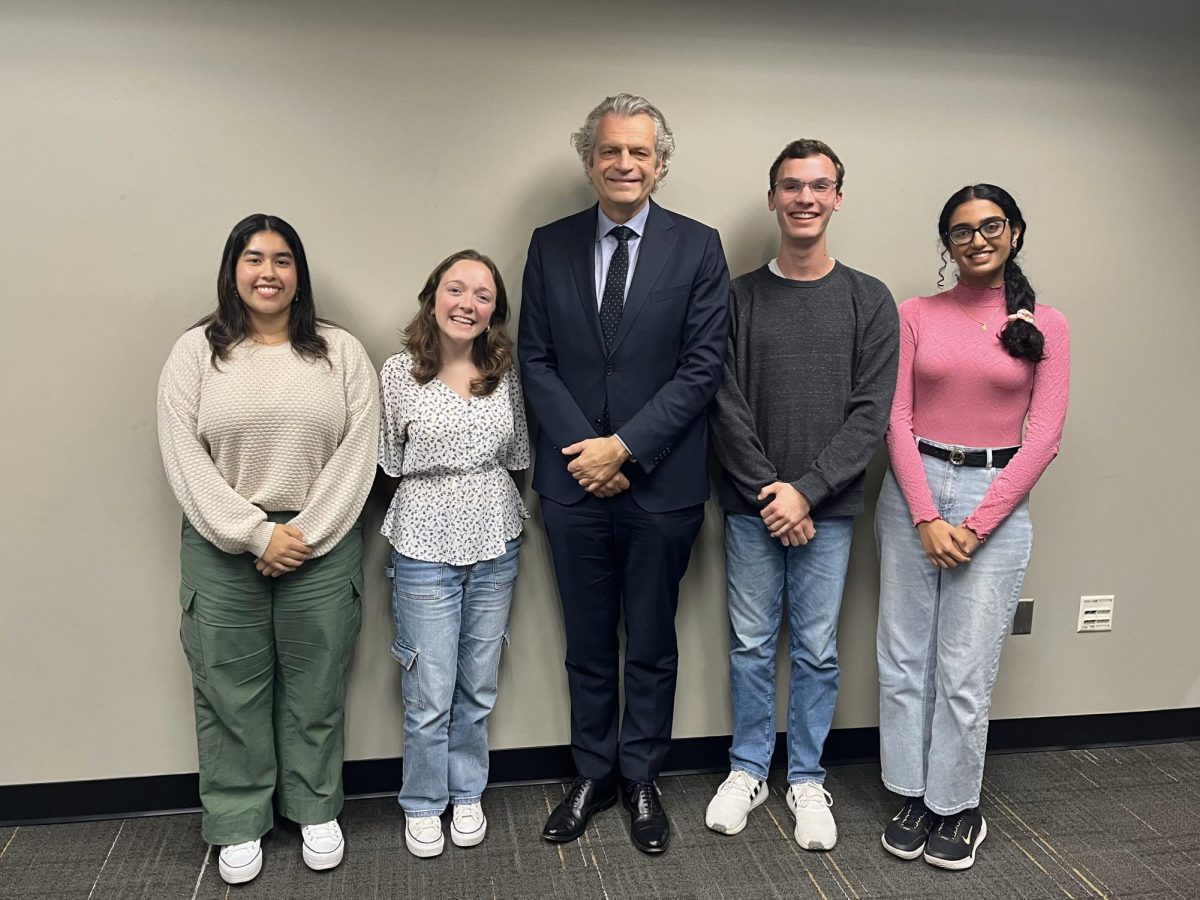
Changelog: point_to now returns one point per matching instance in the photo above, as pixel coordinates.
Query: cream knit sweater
(268, 431)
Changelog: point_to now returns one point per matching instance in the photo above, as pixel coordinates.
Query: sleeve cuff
(259, 538)
(979, 531)
(632, 458)
(814, 488)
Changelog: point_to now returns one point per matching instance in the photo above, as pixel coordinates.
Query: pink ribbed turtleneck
(958, 385)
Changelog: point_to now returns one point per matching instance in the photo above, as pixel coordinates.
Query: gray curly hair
(626, 105)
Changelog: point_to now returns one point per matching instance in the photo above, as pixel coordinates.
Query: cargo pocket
(407, 657)
(189, 632)
(505, 566)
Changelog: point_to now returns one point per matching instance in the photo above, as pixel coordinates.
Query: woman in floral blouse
(453, 425)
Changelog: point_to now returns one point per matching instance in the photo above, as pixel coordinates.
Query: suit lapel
(582, 258)
(658, 242)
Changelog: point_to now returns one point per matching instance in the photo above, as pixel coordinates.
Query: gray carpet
(1113, 823)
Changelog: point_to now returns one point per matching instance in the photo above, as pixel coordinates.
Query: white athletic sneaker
(323, 845)
(423, 835)
(240, 863)
(730, 806)
(468, 825)
(815, 828)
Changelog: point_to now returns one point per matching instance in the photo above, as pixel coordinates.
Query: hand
(613, 486)
(598, 460)
(787, 510)
(947, 546)
(967, 540)
(285, 551)
(801, 534)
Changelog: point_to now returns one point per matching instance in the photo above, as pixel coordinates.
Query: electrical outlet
(1023, 620)
(1095, 613)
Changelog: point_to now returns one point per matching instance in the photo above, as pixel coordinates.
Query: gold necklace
(982, 325)
(261, 342)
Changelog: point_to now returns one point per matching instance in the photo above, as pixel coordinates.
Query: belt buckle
(957, 457)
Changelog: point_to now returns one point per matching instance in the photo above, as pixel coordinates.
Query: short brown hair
(802, 149)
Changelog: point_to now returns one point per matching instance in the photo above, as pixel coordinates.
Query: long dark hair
(491, 351)
(1021, 339)
(229, 324)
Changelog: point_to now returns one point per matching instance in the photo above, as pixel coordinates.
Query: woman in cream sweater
(268, 421)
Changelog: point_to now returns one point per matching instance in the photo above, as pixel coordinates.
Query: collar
(638, 223)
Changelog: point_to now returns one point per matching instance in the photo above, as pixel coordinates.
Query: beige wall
(133, 134)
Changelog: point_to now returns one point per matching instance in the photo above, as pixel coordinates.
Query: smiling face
(266, 275)
(803, 216)
(624, 165)
(464, 303)
(981, 260)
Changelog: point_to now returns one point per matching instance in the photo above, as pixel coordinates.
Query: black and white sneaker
(953, 841)
(906, 833)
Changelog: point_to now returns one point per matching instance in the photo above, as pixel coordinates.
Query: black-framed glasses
(793, 186)
(964, 234)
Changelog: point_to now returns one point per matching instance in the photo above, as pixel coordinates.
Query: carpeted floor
(1121, 822)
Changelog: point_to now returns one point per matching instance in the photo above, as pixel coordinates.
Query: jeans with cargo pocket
(451, 622)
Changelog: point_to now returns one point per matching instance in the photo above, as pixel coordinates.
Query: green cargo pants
(268, 659)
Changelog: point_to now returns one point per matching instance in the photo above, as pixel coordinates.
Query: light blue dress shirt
(606, 246)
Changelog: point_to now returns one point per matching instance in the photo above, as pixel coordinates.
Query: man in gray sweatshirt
(805, 401)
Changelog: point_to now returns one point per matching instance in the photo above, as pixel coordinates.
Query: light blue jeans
(939, 639)
(759, 574)
(450, 624)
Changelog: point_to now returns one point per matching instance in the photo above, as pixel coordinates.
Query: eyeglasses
(964, 234)
(792, 186)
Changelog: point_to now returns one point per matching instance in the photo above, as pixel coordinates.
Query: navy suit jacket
(666, 362)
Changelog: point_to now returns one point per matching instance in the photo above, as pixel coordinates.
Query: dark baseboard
(72, 801)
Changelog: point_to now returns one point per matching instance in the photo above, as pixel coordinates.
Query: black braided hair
(1021, 339)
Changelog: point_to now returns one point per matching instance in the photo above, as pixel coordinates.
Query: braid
(1021, 339)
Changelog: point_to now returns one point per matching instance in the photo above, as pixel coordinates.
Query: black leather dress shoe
(649, 828)
(570, 818)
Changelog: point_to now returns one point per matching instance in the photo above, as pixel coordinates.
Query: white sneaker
(323, 845)
(424, 836)
(815, 828)
(730, 807)
(468, 825)
(240, 863)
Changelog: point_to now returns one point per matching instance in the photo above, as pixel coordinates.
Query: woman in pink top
(978, 413)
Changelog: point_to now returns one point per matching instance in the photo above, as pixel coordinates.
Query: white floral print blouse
(456, 502)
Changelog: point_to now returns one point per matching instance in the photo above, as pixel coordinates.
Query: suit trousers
(611, 557)
(268, 659)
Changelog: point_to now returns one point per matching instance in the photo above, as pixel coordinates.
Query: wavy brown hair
(228, 325)
(491, 351)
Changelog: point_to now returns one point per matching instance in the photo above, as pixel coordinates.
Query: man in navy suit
(624, 319)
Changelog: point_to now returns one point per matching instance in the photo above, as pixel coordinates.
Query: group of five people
(636, 354)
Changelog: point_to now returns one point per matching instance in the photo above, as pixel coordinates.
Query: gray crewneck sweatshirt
(808, 388)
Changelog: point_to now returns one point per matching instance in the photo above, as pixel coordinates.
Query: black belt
(1000, 458)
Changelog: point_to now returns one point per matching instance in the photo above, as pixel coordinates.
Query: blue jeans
(759, 573)
(450, 624)
(939, 639)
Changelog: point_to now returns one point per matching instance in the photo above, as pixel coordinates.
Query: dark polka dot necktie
(612, 302)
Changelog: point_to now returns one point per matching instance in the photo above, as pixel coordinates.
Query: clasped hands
(285, 552)
(597, 465)
(787, 516)
(947, 545)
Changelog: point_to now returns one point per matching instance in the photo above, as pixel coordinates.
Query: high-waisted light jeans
(939, 639)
